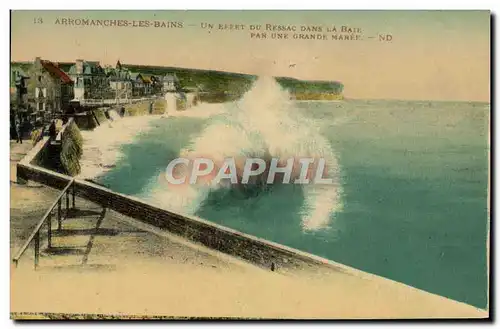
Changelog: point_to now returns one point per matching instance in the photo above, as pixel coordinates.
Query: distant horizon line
(417, 100)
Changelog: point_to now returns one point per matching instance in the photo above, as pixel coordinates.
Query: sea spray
(201, 111)
(171, 103)
(263, 124)
(268, 109)
(113, 115)
(102, 146)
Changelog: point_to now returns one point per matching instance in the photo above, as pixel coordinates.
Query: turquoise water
(414, 181)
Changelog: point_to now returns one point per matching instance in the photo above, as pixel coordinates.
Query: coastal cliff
(318, 96)
(312, 89)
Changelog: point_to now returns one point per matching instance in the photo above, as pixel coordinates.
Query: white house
(170, 82)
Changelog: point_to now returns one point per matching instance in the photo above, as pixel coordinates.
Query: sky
(433, 55)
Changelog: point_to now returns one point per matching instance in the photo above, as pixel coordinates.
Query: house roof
(120, 77)
(134, 76)
(56, 71)
(17, 75)
(116, 74)
(170, 78)
(89, 67)
(65, 66)
(18, 71)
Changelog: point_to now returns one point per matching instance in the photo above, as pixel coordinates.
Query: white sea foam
(101, 146)
(264, 122)
(201, 111)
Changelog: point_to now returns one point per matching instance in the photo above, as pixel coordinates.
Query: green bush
(36, 136)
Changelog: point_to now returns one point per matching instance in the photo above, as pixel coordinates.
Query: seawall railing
(116, 101)
(47, 219)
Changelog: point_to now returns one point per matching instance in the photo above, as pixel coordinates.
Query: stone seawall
(47, 153)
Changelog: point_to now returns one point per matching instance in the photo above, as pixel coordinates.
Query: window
(44, 92)
(37, 92)
(39, 78)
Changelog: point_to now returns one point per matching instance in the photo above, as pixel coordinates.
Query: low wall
(87, 121)
(46, 154)
(142, 108)
(41, 154)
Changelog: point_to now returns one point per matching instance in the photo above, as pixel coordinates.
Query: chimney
(38, 61)
(79, 66)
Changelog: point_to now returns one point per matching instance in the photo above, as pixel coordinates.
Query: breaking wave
(101, 146)
(264, 123)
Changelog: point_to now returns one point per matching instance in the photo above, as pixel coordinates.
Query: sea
(409, 199)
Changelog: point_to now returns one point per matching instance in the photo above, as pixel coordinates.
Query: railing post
(35, 235)
(37, 248)
(59, 219)
(49, 231)
(67, 203)
(73, 195)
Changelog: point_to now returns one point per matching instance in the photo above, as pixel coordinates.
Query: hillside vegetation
(236, 83)
(217, 82)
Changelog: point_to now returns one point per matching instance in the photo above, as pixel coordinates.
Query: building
(138, 86)
(148, 81)
(120, 81)
(49, 90)
(16, 73)
(18, 87)
(91, 80)
(157, 85)
(170, 83)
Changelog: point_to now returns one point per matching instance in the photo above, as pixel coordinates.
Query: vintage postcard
(250, 164)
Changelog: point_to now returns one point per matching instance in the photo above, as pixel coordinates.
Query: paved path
(17, 152)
